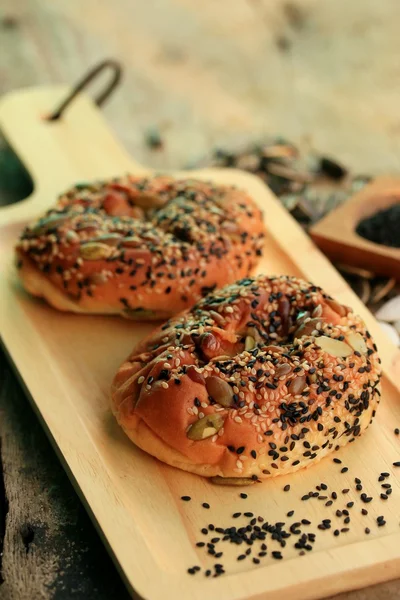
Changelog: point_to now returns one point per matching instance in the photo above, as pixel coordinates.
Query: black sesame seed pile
(274, 357)
(147, 238)
(383, 226)
(260, 540)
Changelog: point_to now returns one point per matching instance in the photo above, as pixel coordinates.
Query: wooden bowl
(336, 233)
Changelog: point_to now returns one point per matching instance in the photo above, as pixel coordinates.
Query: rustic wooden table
(324, 74)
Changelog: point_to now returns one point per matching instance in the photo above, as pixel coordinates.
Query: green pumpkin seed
(317, 312)
(333, 347)
(130, 242)
(111, 239)
(232, 480)
(357, 342)
(94, 251)
(205, 427)
(47, 223)
(249, 343)
(303, 314)
(71, 236)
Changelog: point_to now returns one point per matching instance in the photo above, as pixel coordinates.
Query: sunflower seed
(283, 369)
(382, 289)
(351, 270)
(308, 327)
(280, 170)
(362, 288)
(220, 391)
(298, 384)
(279, 151)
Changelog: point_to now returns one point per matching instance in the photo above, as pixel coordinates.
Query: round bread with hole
(261, 378)
(145, 248)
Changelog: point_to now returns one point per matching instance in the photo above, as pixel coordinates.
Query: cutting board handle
(78, 147)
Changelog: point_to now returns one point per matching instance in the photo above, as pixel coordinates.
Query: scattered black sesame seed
(205, 505)
(286, 488)
(186, 498)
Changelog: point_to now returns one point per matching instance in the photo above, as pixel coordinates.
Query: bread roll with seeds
(261, 378)
(143, 248)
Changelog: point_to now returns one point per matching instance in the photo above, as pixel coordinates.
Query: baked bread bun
(140, 247)
(261, 378)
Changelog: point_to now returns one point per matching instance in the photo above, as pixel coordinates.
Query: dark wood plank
(51, 549)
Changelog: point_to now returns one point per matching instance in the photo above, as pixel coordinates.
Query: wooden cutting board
(67, 363)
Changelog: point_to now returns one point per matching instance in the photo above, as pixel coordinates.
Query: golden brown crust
(261, 378)
(104, 251)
